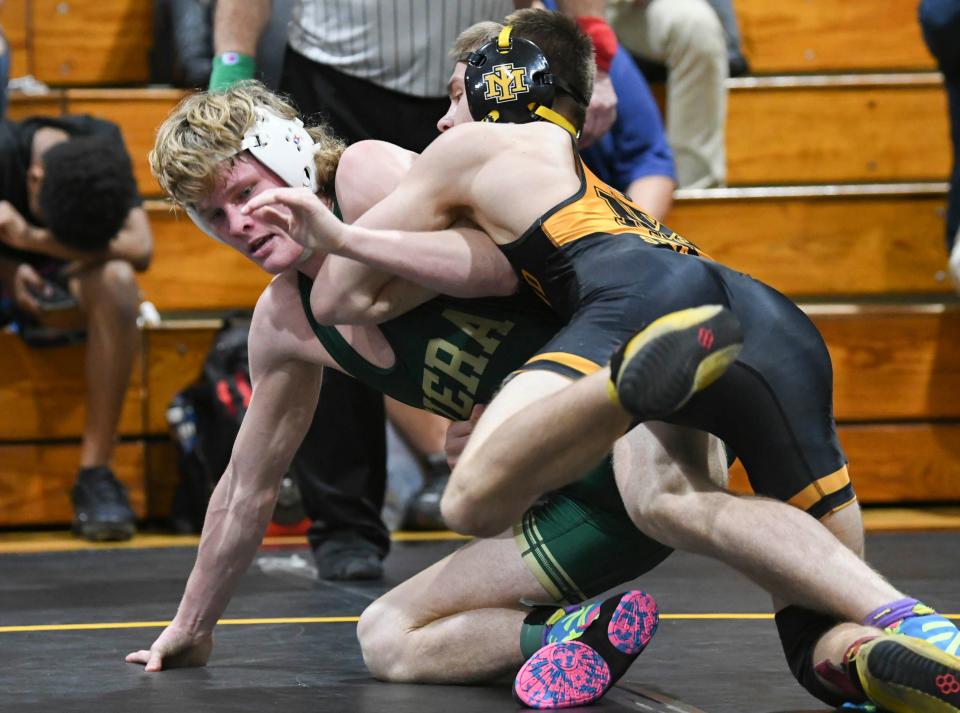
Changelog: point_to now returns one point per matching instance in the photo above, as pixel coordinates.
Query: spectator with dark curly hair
(72, 234)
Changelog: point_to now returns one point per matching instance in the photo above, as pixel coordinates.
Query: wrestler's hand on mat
(458, 434)
(174, 648)
(300, 214)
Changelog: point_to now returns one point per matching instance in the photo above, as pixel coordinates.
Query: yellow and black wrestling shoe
(902, 674)
(657, 371)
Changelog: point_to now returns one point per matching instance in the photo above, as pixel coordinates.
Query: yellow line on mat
(875, 520)
(60, 541)
(159, 624)
(310, 620)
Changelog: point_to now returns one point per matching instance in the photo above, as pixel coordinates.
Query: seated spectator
(940, 20)
(634, 156)
(72, 232)
(686, 36)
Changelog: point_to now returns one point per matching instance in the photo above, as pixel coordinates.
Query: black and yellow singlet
(552, 256)
(609, 270)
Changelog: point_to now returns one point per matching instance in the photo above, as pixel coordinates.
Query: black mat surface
(717, 666)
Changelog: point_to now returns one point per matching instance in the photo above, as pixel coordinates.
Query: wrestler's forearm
(458, 261)
(232, 533)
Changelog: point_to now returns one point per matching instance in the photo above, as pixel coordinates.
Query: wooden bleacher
(838, 150)
(853, 36)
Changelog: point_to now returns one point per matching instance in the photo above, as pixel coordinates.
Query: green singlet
(452, 354)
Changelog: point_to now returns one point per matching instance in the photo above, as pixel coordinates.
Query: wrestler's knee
(667, 494)
(846, 525)
(382, 642)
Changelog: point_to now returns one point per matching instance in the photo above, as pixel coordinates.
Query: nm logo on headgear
(504, 82)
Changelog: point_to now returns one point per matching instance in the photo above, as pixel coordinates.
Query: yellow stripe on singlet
(577, 363)
(821, 488)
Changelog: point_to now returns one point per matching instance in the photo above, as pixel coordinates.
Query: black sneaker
(902, 674)
(101, 510)
(423, 512)
(348, 557)
(661, 367)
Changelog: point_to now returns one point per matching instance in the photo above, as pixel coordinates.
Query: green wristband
(230, 68)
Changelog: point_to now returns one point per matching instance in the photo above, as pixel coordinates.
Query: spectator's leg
(940, 20)
(110, 298)
(731, 30)
(686, 35)
(341, 471)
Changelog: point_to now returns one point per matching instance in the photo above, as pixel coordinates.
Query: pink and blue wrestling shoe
(586, 650)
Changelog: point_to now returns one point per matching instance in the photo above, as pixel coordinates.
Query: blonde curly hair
(206, 127)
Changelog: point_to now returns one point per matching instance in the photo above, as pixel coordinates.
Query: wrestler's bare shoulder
(367, 171)
(280, 330)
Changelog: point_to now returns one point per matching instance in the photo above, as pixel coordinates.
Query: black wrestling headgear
(508, 79)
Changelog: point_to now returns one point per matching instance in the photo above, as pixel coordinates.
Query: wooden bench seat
(895, 463)
(829, 36)
(90, 42)
(42, 393)
(893, 362)
(35, 481)
(803, 130)
(824, 241)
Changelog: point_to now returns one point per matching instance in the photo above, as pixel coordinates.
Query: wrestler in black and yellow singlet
(608, 270)
(452, 354)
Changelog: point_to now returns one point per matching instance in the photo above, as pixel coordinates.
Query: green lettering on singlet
(451, 373)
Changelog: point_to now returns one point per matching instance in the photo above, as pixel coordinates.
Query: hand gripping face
(283, 146)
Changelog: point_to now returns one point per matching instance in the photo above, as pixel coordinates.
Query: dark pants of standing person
(940, 20)
(341, 467)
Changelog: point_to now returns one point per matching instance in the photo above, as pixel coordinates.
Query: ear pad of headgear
(506, 79)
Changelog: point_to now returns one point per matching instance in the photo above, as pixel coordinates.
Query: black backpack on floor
(204, 420)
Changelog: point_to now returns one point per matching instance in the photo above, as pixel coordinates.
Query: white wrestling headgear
(283, 146)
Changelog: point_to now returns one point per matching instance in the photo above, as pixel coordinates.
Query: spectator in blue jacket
(634, 155)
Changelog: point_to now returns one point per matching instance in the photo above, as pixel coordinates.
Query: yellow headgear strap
(556, 118)
(503, 41)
